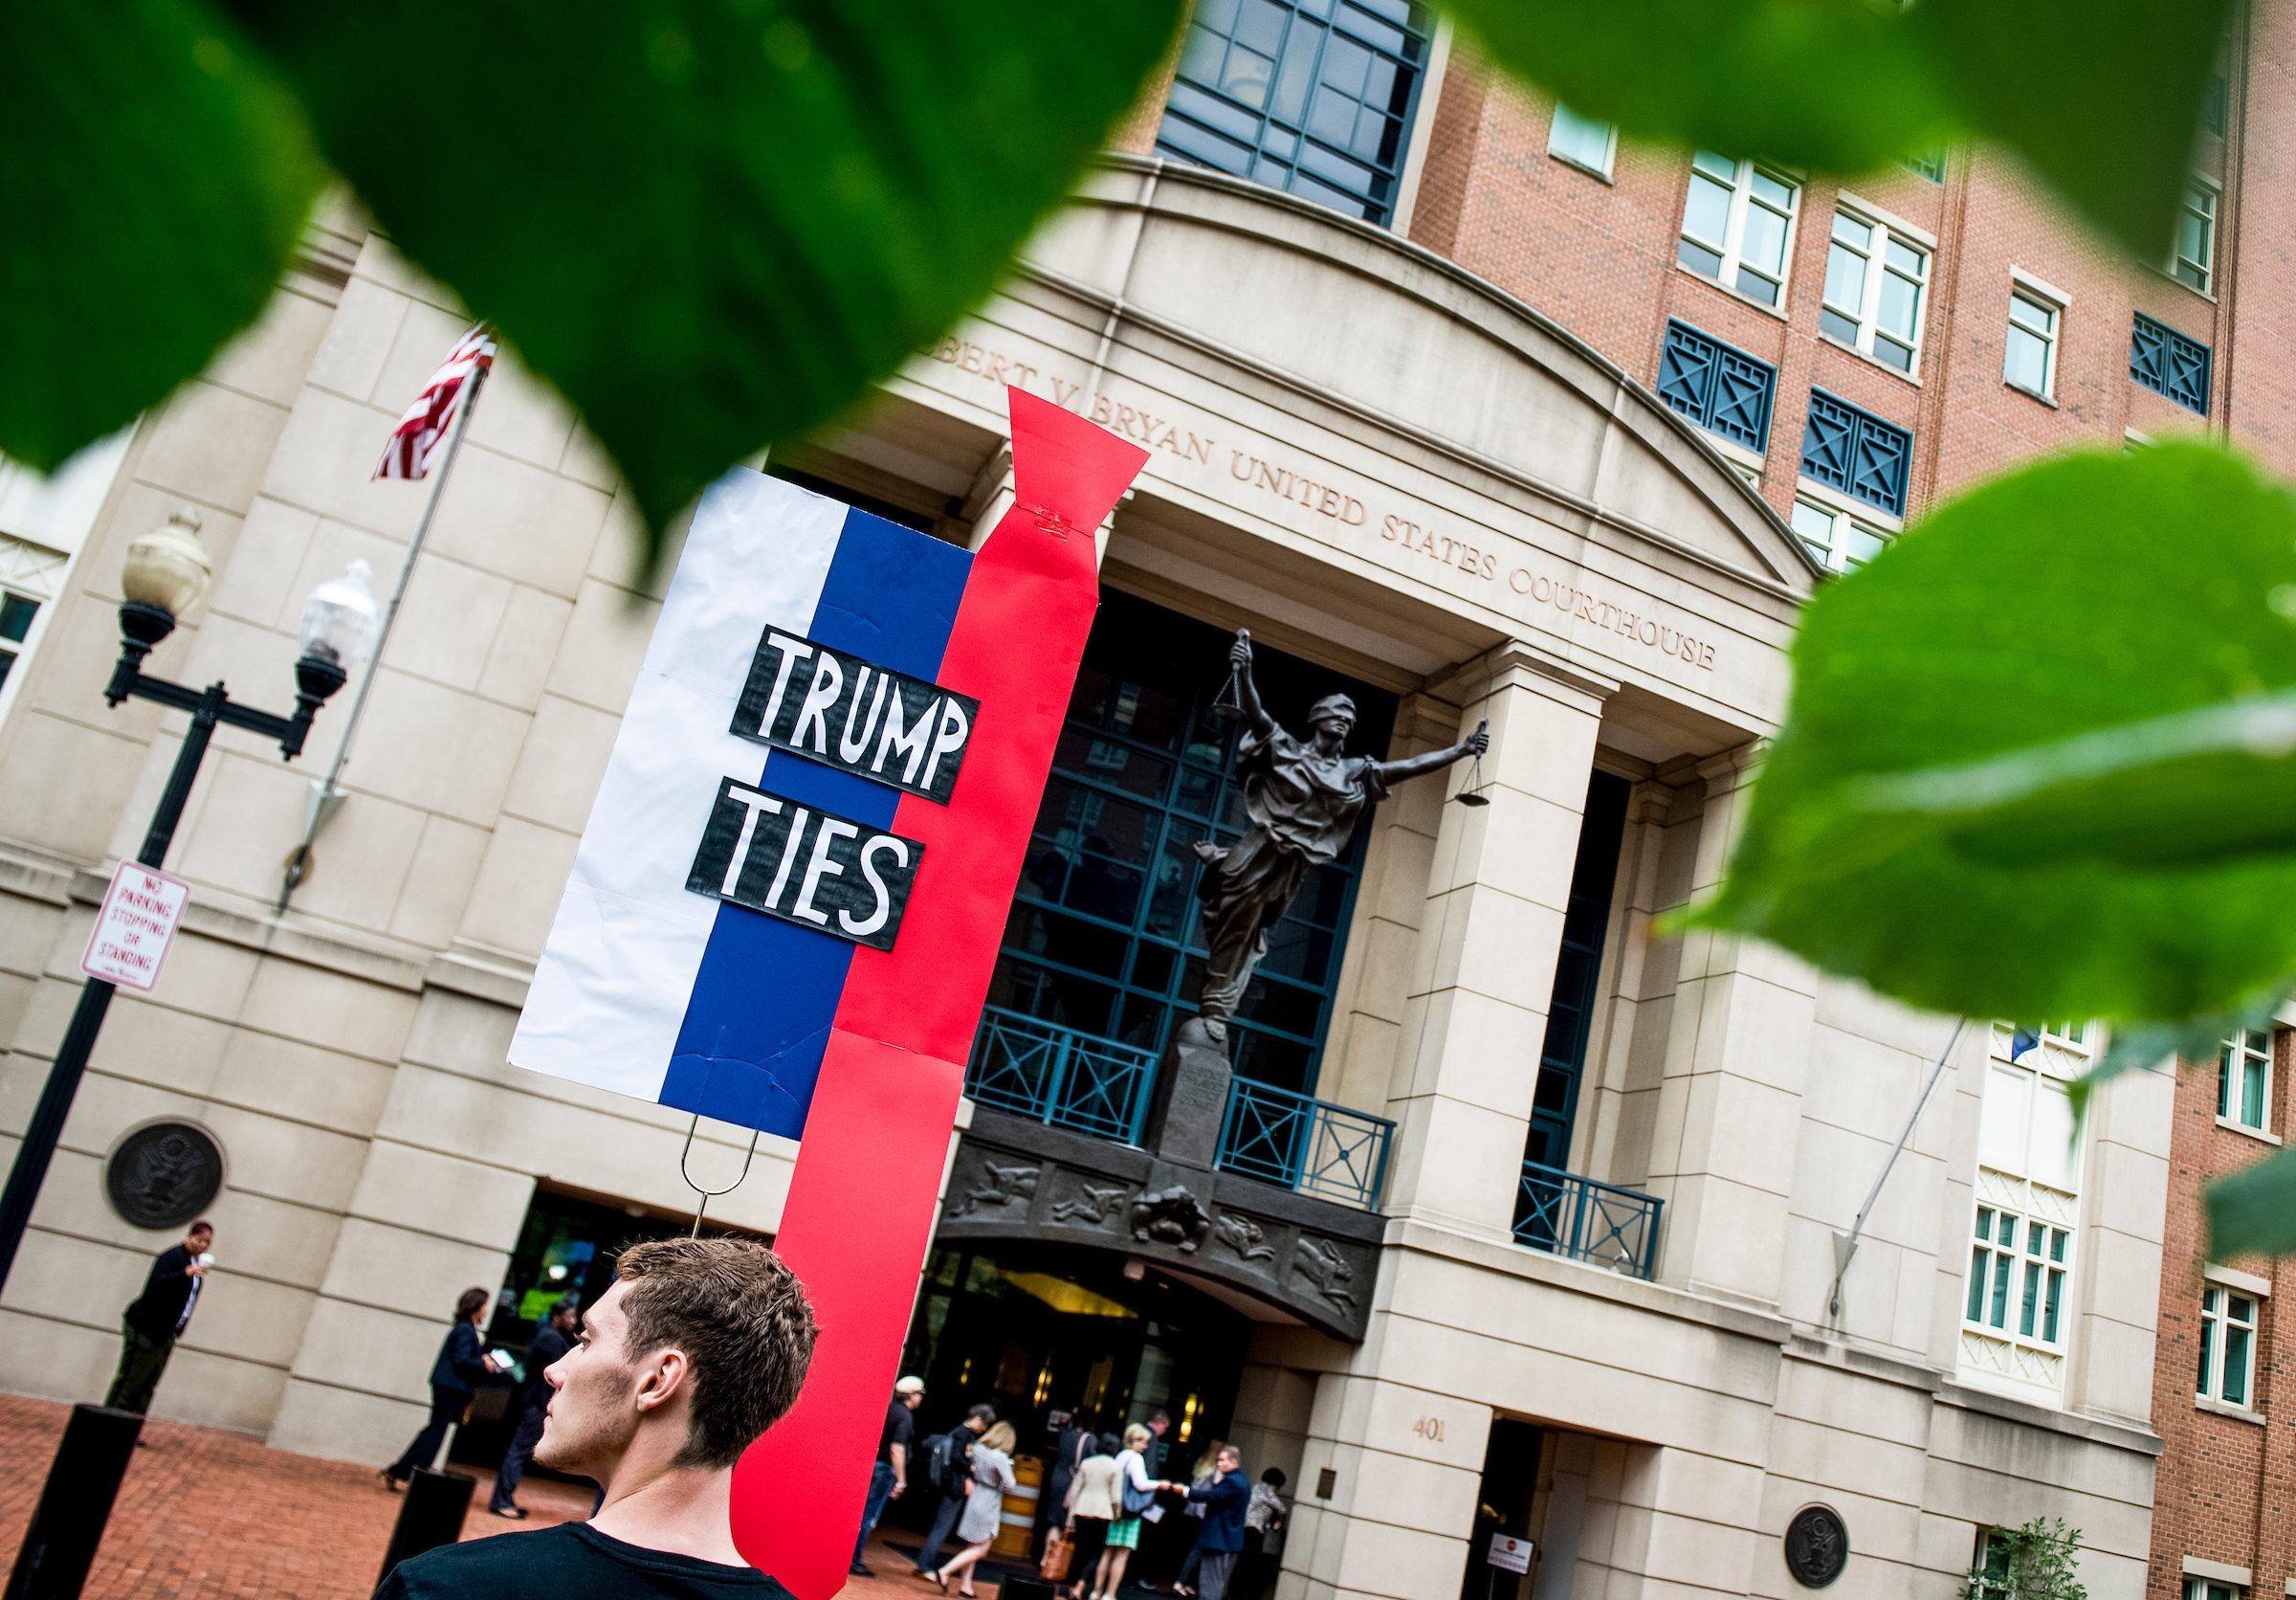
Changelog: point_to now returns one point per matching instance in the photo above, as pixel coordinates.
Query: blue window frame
(1856, 452)
(1104, 936)
(1721, 389)
(1314, 97)
(2168, 363)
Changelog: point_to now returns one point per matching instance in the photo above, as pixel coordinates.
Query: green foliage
(2040, 1561)
(711, 223)
(1846, 86)
(2077, 802)
(2254, 1211)
(156, 177)
(2146, 1044)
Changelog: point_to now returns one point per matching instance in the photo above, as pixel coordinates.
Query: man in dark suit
(150, 1325)
(551, 1341)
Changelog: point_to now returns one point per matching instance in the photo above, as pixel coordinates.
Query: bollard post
(76, 1502)
(430, 1516)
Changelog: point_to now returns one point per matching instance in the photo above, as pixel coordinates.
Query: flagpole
(325, 796)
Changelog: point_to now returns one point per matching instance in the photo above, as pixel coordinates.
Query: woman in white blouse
(1124, 1533)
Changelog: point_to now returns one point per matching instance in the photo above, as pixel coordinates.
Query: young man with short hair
(699, 1346)
(150, 1325)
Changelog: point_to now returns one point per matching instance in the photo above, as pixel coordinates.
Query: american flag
(427, 421)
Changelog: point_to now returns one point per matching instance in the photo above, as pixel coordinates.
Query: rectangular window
(1720, 388)
(2168, 363)
(1930, 165)
(2016, 1309)
(1581, 141)
(2208, 1589)
(2017, 1276)
(2195, 258)
(1314, 97)
(1874, 283)
(2030, 363)
(15, 622)
(1737, 226)
(1835, 538)
(1855, 452)
(2227, 1345)
(2244, 1078)
(2213, 106)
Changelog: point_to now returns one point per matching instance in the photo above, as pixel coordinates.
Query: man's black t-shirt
(900, 1428)
(569, 1560)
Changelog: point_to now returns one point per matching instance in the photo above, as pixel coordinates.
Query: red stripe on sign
(860, 1209)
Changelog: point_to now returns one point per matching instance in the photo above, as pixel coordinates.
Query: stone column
(1483, 972)
(1404, 1466)
(1730, 1106)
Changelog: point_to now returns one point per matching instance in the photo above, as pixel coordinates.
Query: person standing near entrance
(697, 1348)
(551, 1341)
(951, 1461)
(152, 1323)
(462, 1360)
(985, 1507)
(1095, 1501)
(1264, 1516)
(891, 1473)
(1136, 1493)
(1224, 1496)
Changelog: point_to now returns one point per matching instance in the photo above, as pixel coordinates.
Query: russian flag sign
(785, 906)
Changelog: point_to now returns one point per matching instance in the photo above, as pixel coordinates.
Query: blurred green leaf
(713, 223)
(1843, 86)
(156, 177)
(2147, 1044)
(1919, 822)
(2254, 1211)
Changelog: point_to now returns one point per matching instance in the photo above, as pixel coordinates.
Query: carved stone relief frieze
(1326, 1270)
(1170, 1216)
(993, 1183)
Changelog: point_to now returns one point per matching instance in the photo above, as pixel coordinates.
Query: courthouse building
(1515, 1219)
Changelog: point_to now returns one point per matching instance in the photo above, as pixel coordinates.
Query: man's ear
(662, 1377)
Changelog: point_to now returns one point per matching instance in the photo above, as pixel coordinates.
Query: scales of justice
(1303, 797)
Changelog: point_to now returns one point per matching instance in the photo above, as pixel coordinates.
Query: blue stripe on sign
(751, 1046)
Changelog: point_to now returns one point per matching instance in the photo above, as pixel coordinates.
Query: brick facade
(2226, 1487)
(1599, 257)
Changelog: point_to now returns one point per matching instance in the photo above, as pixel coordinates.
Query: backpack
(952, 1474)
(937, 1456)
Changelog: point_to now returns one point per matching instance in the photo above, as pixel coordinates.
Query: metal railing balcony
(1055, 1075)
(1584, 1220)
(1304, 1143)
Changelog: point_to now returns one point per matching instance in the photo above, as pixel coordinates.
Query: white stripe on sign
(611, 988)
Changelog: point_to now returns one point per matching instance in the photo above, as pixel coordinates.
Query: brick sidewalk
(204, 1514)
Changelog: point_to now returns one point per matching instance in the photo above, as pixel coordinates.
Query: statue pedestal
(1190, 1100)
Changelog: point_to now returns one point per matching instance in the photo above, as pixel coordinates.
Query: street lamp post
(166, 571)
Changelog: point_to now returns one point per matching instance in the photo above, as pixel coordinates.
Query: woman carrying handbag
(1095, 1501)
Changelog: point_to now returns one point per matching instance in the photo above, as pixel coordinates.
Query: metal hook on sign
(709, 1195)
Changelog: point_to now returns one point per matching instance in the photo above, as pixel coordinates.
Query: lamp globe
(167, 567)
